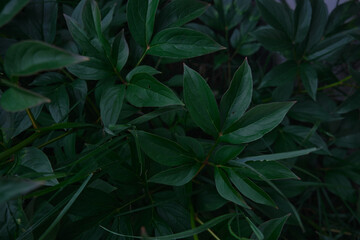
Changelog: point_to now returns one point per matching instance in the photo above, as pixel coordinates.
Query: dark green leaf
(276, 156)
(270, 170)
(281, 74)
(177, 176)
(350, 104)
(184, 234)
(29, 57)
(141, 19)
(257, 122)
(318, 22)
(120, 51)
(303, 13)
(226, 190)
(180, 43)
(277, 15)
(59, 106)
(111, 103)
(15, 187)
(200, 102)
(256, 230)
(227, 153)
(309, 79)
(37, 161)
(238, 97)
(9, 9)
(162, 150)
(272, 228)
(141, 69)
(249, 189)
(178, 12)
(145, 91)
(18, 99)
(94, 69)
(272, 39)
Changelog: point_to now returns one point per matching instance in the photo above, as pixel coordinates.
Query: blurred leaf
(29, 57)
(180, 43)
(145, 91)
(226, 190)
(276, 15)
(162, 150)
(256, 230)
(178, 12)
(9, 8)
(318, 22)
(256, 122)
(351, 141)
(141, 19)
(15, 187)
(18, 99)
(280, 75)
(200, 102)
(303, 14)
(350, 104)
(272, 39)
(184, 234)
(238, 97)
(177, 176)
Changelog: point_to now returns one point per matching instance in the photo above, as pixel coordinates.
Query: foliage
(179, 119)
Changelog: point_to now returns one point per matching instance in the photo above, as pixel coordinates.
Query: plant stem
(209, 230)
(192, 220)
(32, 119)
(19, 146)
(142, 57)
(55, 139)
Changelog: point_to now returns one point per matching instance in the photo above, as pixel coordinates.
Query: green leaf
(29, 57)
(318, 22)
(94, 69)
(256, 122)
(141, 19)
(181, 235)
(141, 69)
(226, 190)
(177, 176)
(18, 99)
(228, 152)
(272, 39)
(162, 150)
(249, 189)
(9, 9)
(350, 104)
(60, 103)
(120, 51)
(146, 91)
(158, 112)
(178, 12)
(256, 230)
(280, 74)
(272, 228)
(276, 156)
(66, 208)
(238, 97)
(271, 170)
(303, 13)
(276, 15)
(200, 102)
(37, 161)
(111, 103)
(180, 43)
(309, 79)
(15, 187)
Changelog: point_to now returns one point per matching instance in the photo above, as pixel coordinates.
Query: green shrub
(110, 130)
